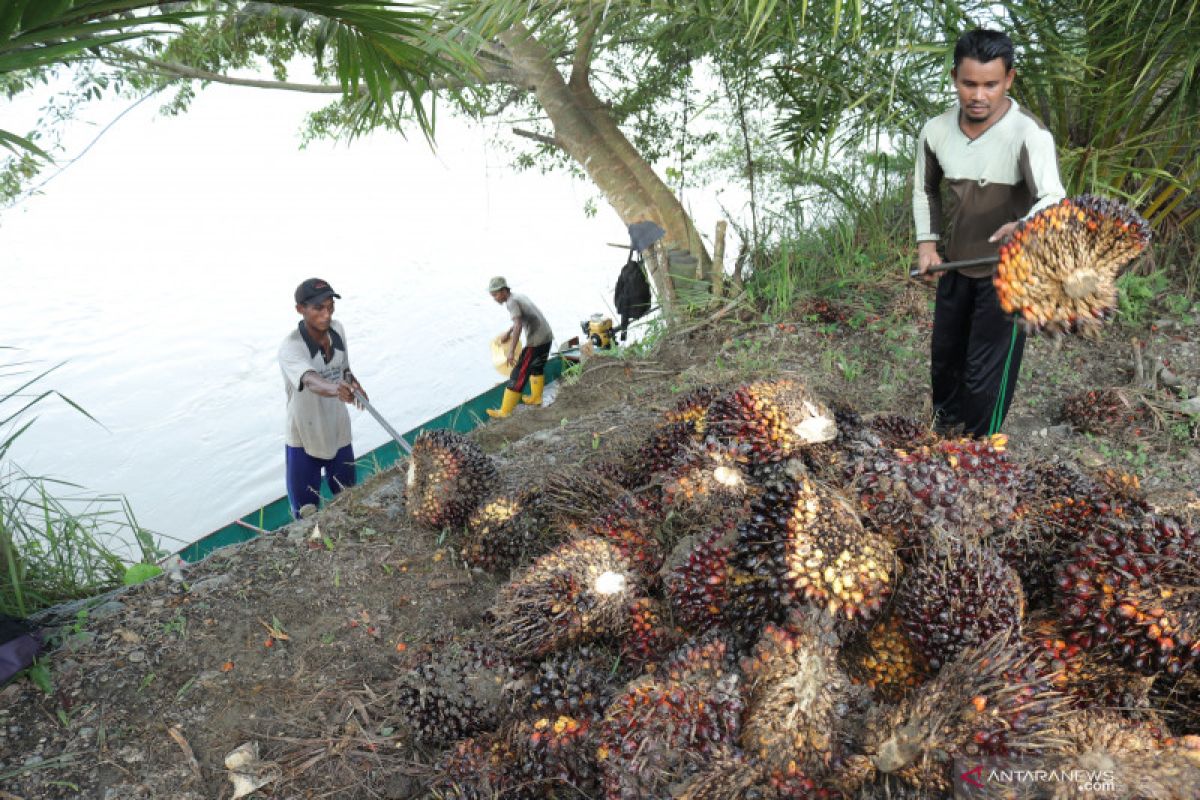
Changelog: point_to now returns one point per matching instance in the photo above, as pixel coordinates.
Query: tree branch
(537, 137)
(582, 62)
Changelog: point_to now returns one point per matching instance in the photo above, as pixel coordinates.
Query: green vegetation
(57, 542)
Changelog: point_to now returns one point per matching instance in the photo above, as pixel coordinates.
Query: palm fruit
(1078, 674)
(809, 545)
(990, 701)
(885, 660)
(708, 483)
(957, 593)
(1127, 589)
(692, 407)
(730, 777)
(1123, 487)
(1058, 270)
(1130, 759)
(454, 691)
(699, 586)
(574, 594)
(571, 499)
(798, 699)
(665, 445)
(669, 725)
(554, 754)
(448, 475)
(479, 768)
(962, 484)
(650, 638)
(774, 419)
(631, 525)
(505, 531)
(1100, 411)
(898, 432)
(575, 684)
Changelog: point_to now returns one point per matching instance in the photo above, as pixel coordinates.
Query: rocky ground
(292, 643)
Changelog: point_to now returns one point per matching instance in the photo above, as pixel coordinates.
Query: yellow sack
(500, 356)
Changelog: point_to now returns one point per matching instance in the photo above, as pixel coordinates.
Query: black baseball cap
(313, 291)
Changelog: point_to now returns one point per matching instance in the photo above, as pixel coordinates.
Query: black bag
(632, 295)
(19, 645)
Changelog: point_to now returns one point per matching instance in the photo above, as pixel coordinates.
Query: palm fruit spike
(1058, 271)
(649, 638)
(692, 407)
(575, 684)
(1127, 590)
(731, 777)
(1101, 411)
(962, 484)
(988, 701)
(631, 525)
(1133, 759)
(448, 475)
(1077, 673)
(455, 691)
(574, 594)
(479, 768)
(798, 698)
(957, 593)
(776, 419)
(811, 546)
(553, 754)
(669, 725)
(885, 660)
(665, 445)
(698, 587)
(900, 433)
(571, 499)
(504, 532)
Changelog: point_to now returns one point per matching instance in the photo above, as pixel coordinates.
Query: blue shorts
(304, 475)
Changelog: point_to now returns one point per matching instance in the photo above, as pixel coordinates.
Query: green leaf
(140, 573)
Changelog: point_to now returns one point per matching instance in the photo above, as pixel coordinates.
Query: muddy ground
(293, 641)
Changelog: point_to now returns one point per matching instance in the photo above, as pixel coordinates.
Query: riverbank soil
(293, 642)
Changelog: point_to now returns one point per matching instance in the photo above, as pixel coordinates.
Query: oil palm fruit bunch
(898, 432)
(575, 684)
(989, 701)
(478, 768)
(775, 419)
(885, 660)
(1077, 673)
(665, 445)
(961, 484)
(799, 701)
(576, 593)
(1128, 589)
(505, 531)
(1129, 759)
(698, 587)
(669, 725)
(692, 407)
(808, 542)
(1101, 411)
(455, 690)
(571, 499)
(709, 482)
(1059, 268)
(448, 476)
(650, 637)
(957, 593)
(730, 777)
(554, 754)
(631, 525)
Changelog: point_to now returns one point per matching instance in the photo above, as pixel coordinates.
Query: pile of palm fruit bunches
(1058, 270)
(768, 598)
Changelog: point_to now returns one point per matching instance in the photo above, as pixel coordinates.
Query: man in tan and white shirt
(998, 163)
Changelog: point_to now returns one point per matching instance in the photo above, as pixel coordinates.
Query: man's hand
(345, 393)
(927, 256)
(512, 357)
(1003, 232)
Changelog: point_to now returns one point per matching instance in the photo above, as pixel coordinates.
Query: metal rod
(946, 266)
(255, 528)
(391, 431)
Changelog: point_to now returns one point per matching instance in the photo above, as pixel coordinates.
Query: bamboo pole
(718, 268)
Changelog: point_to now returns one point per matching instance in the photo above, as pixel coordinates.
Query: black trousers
(532, 361)
(971, 340)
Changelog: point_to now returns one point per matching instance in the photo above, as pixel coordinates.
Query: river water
(160, 268)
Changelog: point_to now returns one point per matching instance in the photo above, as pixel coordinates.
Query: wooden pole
(718, 268)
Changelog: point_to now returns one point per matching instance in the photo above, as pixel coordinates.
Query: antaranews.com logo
(1001, 779)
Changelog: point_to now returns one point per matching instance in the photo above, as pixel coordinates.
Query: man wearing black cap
(319, 384)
